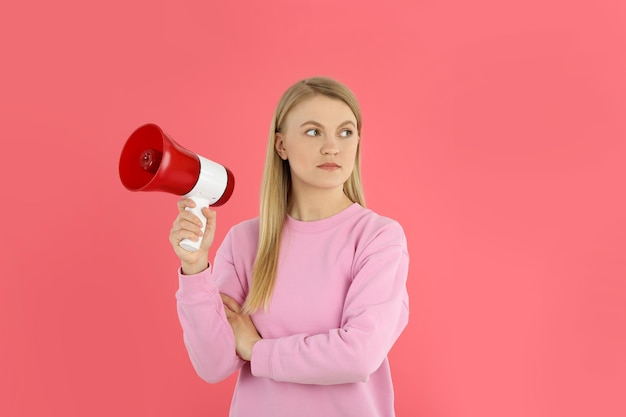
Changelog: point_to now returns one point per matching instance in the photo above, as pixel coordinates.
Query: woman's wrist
(195, 268)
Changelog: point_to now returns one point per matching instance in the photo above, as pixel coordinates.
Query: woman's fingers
(185, 202)
(210, 227)
(187, 222)
(231, 304)
(246, 334)
(187, 216)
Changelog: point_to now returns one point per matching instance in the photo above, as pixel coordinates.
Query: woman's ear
(279, 144)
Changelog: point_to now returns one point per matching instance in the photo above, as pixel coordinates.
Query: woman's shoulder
(241, 238)
(374, 226)
(374, 220)
(246, 228)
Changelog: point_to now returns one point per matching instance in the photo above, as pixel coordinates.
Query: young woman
(307, 299)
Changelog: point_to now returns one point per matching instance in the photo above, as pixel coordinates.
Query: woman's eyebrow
(314, 123)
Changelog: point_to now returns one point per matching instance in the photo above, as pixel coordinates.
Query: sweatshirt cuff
(260, 364)
(195, 287)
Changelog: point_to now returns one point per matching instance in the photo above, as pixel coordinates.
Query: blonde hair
(276, 185)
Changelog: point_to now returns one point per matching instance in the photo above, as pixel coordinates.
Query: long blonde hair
(276, 185)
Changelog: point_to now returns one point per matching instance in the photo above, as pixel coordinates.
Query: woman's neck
(317, 205)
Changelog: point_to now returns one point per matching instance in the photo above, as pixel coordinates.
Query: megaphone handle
(189, 244)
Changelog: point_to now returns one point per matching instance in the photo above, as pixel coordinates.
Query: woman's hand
(188, 226)
(245, 332)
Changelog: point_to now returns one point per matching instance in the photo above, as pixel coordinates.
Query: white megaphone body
(152, 161)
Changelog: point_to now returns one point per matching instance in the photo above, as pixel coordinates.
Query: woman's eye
(346, 133)
(312, 132)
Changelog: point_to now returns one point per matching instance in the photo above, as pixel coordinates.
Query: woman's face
(319, 138)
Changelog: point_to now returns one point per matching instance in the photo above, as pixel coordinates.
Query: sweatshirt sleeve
(207, 335)
(375, 312)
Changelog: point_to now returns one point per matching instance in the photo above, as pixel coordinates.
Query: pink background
(494, 132)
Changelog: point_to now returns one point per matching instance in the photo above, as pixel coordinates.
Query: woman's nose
(330, 146)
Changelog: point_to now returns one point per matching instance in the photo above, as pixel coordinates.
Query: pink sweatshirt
(339, 304)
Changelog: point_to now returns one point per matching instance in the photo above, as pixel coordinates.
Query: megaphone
(152, 161)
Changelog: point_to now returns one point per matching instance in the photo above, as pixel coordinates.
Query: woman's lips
(328, 166)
